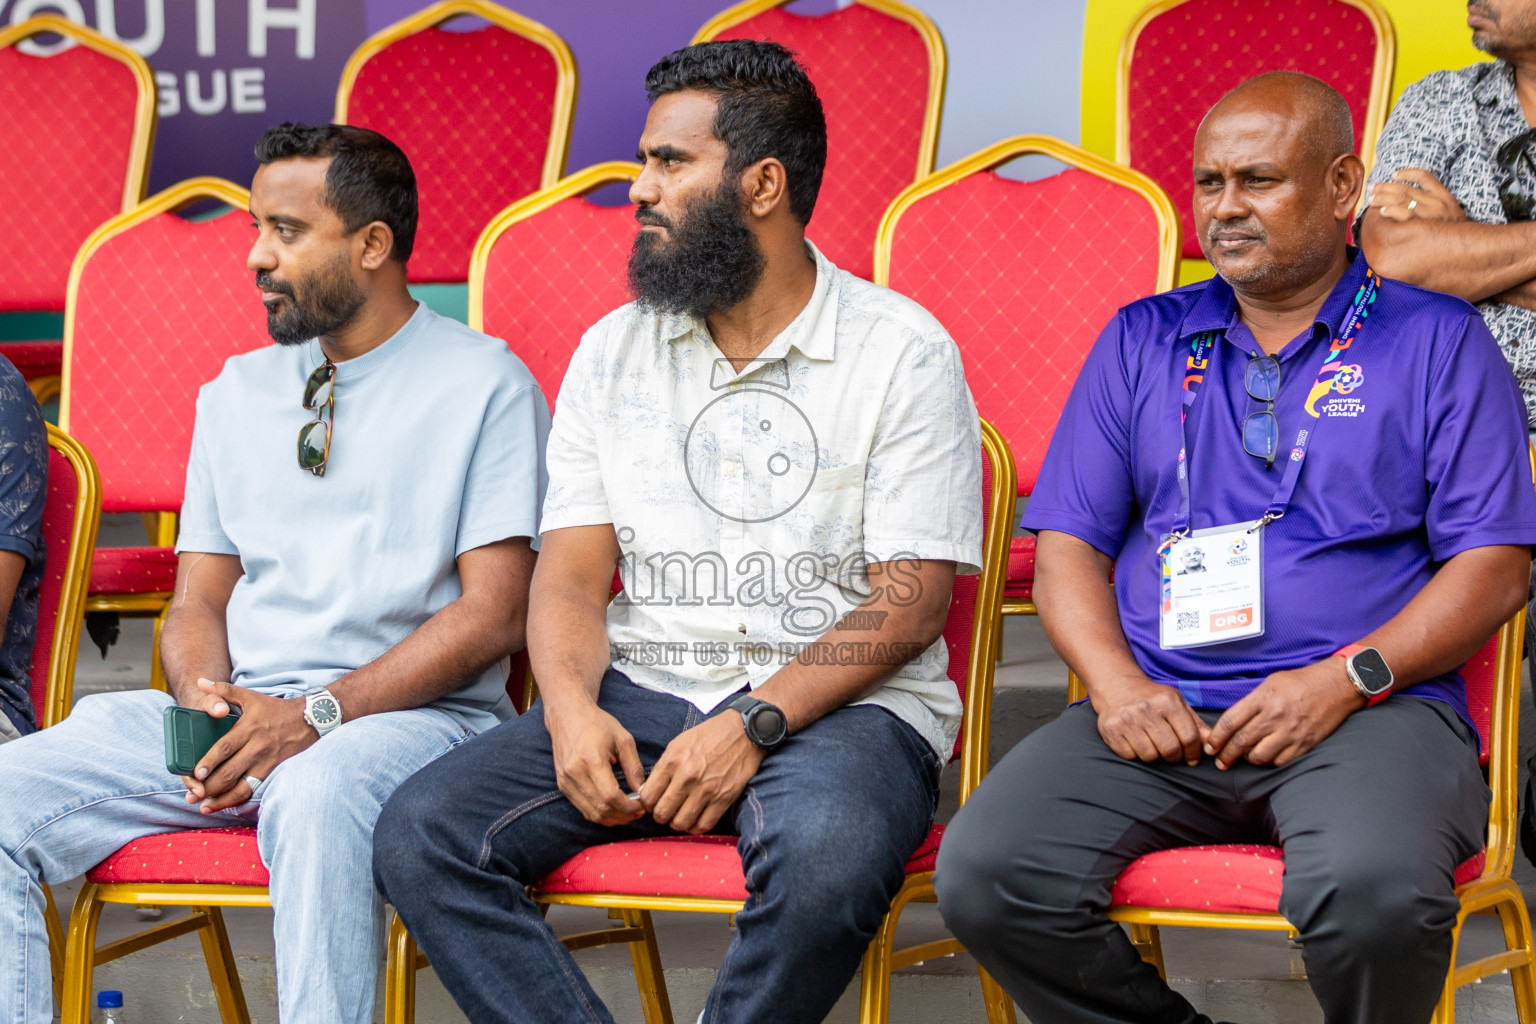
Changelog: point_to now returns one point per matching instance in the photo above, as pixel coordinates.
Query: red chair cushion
(35, 358)
(69, 121)
(1225, 879)
(1024, 275)
(473, 111)
(159, 309)
(205, 856)
(133, 570)
(550, 277)
(1190, 55)
(697, 867)
(871, 72)
(1021, 568)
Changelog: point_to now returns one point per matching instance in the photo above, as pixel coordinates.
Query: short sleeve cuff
(576, 515)
(495, 533)
(967, 557)
(205, 544)
(23, 547)
(1036, 519)
(1517, 535)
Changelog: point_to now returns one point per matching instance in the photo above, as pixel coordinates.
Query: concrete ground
(1238, 976)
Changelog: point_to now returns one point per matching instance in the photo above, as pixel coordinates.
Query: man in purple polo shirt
(1347, 457)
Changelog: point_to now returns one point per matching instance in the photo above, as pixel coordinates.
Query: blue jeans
(825, 829)
(73, 794)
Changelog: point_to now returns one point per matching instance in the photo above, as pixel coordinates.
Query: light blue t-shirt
(437, 448)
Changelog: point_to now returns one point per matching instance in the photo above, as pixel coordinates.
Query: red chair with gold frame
(1239, 885)
(485, 117)
(82, 123)
(71, 516)
(1177, 59)
(1008, 268)
(157, 303)
(879, 67)
(707, 870)
(552, 265)
(205, 869)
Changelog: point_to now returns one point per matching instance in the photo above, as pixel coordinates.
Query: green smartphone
(190, 734)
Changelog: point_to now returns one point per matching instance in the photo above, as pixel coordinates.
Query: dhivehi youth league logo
(1348, 379)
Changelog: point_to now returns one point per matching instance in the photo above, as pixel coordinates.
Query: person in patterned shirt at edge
(23, 492)
(1450, 204)
(1348, 451)
(802, 445)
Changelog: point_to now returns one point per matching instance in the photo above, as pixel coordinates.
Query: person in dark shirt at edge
(23, 492)
(1350, 452)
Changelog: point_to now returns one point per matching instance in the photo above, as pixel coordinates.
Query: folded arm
(1414, 230)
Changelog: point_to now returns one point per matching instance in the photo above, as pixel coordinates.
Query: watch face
(324, 710)
(768, 724)
(1371, 669)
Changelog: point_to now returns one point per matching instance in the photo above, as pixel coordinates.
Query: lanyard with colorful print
(1194, 376)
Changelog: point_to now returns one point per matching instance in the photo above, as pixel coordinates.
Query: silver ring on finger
(254, 783)
(1411, 204)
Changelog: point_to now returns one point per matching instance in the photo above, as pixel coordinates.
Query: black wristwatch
(765, 724)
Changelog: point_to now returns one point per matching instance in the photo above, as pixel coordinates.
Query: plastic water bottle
(109, 1008)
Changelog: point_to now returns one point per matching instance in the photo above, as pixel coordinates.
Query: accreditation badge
(1212, 587)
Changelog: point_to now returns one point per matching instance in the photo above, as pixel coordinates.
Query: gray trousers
(1374, 821)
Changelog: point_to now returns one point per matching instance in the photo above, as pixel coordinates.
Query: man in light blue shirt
(357, 604)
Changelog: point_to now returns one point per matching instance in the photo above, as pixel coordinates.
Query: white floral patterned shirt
(748, 504)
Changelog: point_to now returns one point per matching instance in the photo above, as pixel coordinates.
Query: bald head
(1314, 109)
(1276, 180)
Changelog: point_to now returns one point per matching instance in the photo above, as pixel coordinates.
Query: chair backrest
(970, 630)
(157, 303)
(79, 126)
(484, 115)
(1181, 56)
(71, 516)
(879, 67)
(549, 267)
(1024, 275)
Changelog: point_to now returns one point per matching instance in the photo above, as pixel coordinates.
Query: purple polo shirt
(1418, 454)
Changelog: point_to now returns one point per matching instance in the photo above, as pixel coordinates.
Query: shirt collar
(1496, 87)
(1216, 309)
(813, 332)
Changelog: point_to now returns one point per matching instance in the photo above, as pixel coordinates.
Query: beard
(1513, 30)
(330, 300)
(710, 262)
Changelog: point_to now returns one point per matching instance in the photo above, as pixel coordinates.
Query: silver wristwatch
(322, 711)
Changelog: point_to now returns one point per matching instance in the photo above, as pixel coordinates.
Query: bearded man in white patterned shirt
(784, 463)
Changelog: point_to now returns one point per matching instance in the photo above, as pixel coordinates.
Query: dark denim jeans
(825, 829)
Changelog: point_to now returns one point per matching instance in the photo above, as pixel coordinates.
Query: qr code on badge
(1187, 620)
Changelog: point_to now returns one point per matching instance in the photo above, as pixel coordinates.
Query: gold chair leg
(80, 957)
(875, 973)
(400, 975)
(55, 945)
(1149, 944)
(648, 973)
(221, 967)
(1516, 922)
(998, 1003)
